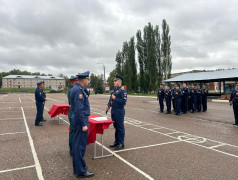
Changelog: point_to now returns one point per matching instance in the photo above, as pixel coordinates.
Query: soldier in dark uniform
(177, 100)
(160, 97)
(168, 97)
(234, 100)
(80, 111)
(44, 95)
(193, 98)
(174, 89)
(118, 101)
(184, 99)
(40, 99)
(73, 81)
(199, 98)
(204, 98)
(189, 98)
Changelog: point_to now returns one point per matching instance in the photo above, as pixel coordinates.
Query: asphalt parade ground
(157, 146)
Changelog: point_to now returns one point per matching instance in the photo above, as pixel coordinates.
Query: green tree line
(153, 56)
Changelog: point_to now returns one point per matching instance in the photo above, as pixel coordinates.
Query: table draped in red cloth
(96, 127)
(57, 109)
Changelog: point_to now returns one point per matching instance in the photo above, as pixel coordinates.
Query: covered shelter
(227, 78)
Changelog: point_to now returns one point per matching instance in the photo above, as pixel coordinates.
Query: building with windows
(29, 81)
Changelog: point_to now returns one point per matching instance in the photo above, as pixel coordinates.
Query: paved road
(158, 146)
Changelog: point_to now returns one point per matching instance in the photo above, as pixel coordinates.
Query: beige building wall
(31, 83)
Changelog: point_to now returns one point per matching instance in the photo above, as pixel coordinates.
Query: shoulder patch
(80, 96)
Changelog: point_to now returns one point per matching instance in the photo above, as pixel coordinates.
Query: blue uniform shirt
(121, 98)
(79, 105)
(39, 96)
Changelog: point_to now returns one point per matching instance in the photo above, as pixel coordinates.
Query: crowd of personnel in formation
(183, 98)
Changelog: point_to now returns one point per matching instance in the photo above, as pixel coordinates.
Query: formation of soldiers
(184, 98)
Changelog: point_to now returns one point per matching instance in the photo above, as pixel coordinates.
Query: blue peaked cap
(118, 77)
(83, 75)
(39, 83)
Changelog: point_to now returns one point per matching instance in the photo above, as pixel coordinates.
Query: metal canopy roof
(32, 77)
(220, 75)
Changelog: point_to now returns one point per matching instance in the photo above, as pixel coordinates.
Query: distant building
(220, 80)
(29, 81)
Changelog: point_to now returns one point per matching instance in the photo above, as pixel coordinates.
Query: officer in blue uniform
(199, 98)
(234, 100)
(80, 111)
(40, 99)
(118, 101)
(204, 98)
(184, 100)
(168, 97)
(73, 81)
(193, 98)
(160, 97)
(177, 100)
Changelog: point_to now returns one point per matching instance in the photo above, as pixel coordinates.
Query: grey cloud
(73, 36)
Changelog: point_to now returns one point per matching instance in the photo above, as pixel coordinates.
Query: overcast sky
(71, 36)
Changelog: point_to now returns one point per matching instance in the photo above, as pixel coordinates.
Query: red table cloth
(57, 109)
(96, 127)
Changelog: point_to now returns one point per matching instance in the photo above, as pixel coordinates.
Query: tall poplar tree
(166, 50)
(133, 65)
(140, 50)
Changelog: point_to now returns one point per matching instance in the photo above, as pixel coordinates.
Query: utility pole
(104, 78)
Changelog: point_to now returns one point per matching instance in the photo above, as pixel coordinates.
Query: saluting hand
(85, 128)
(113, 96)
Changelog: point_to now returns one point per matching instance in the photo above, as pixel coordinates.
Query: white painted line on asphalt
(36, 160)
(173, 132)
(12, 133)
(19, 99)
(9, 170)
(143, 147)
(11, 119)
(128, 163)
(219, 145)
(157, 128)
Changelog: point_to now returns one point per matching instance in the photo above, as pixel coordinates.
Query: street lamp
(104, 79)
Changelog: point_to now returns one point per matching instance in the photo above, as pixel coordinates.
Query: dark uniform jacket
(39, 95)
(160, 93)
(168, 94)
(121, 98)
(79, 105)
(234, 97)
(176, 96)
